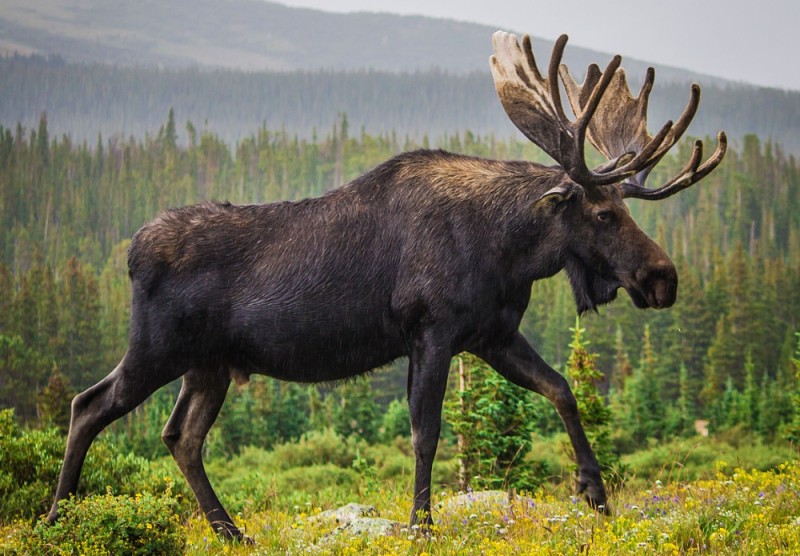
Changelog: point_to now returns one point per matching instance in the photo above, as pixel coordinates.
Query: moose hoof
(590, 486)
(239, 538)
(231, 533)
(52, 517)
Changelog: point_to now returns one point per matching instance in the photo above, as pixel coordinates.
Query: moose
(427, 255)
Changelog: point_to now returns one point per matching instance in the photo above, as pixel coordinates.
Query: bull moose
(427, 255)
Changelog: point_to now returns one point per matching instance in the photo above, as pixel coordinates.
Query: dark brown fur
(427, 255)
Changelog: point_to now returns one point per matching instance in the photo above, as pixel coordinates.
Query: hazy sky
(757, 41)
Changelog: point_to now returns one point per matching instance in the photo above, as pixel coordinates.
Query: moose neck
(489, 203)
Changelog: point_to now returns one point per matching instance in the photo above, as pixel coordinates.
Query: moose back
(427, 255)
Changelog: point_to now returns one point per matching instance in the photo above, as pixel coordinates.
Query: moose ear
(555, 198)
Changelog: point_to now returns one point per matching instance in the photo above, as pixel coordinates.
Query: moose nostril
(664, 294)
(658, 282)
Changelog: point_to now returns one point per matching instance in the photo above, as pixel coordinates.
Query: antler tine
(618, 123)
(552, 72)
(527, 47)
(675, 133)
(691, 173)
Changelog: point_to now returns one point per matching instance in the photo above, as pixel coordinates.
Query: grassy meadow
(692, 496)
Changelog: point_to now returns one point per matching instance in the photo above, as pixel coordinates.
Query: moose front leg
(428, 368)
(517, 361)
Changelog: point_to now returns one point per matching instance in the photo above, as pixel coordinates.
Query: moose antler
(614, 121)
(619, 126)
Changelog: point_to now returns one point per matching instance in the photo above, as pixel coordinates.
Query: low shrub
(317, 447)
(30, 461)
(109, 524)
(694, 458)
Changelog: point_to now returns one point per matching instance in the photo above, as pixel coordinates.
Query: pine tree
(641, 409)
(356, 412)
(19, 380)
(793, 430)
(729, 410)
(680, 416)
(493, 420)
(6, 298)
(750, 397)
(53, 402)
(622, 366)
(595, 413)
(79, 342)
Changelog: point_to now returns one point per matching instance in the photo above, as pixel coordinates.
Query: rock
(355, 520)
(482, 501)
(369, 526)
(345, 514)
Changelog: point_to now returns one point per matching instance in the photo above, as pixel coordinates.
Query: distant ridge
(254, 35)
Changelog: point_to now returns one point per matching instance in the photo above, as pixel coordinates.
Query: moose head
(605, 250)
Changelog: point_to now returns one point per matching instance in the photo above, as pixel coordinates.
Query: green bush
(30, 461)
(695, 458)
(396, 421)
(108, 524)
(317, 447)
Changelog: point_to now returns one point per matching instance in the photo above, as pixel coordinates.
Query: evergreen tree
(793, 429)
(640, 409)
(78, 345)
(751, 406)
(6, 298)
(19, 376)
(726, 410)
(680, 416)
(595, 413)
(493, 420)
(356, 412)
(34, 313)
(622, 366)
(53, 402)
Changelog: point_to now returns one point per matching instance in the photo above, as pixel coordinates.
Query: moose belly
(302, 344)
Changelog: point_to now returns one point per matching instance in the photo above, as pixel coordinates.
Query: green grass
(695, 496)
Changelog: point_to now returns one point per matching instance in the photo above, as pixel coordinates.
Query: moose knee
(563, 399)
(170, 438)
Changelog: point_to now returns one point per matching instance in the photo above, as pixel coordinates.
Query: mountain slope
(258, 35)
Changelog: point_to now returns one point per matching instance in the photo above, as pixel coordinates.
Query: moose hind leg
(93, 410)
(518, 362)
(198, 405)
(427, 382)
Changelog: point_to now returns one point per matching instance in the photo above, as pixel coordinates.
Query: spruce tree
(641, 408)
(793, 430)
(595, 413)
(680, 415)
(493, 420)
(79, 341)
(53, 402)
(356, 412)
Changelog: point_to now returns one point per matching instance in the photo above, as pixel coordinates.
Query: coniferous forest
(723, 361)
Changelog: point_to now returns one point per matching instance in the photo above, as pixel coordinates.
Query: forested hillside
(68, 209)
(85, 101)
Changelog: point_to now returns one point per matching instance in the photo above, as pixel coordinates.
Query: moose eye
(604, 216)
